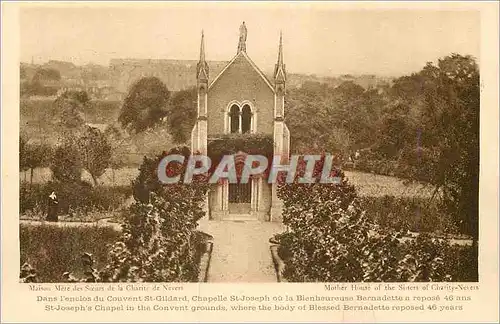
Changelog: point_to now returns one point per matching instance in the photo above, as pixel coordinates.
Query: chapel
(241, 111)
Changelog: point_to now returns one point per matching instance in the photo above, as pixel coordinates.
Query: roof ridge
(254, 66)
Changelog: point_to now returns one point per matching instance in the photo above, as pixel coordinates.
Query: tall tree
(32, 156)
(182, 114)
(446, 149)
(95, 152)
(47, 75)
(70, 107)
(455, 107)
(66, 164)
(145, 104)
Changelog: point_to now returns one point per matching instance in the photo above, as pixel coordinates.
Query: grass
(53, 250)
(367, 184)
(111, 177)
(409, 214)
(374, 185)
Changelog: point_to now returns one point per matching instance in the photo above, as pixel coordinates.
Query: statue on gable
(242, 47)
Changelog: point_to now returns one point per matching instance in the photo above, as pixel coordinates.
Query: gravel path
(105, 222)
(241, 251)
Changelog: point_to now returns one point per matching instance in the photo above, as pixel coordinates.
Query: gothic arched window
(234, 118)
(246, 119)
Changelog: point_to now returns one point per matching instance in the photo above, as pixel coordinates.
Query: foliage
(70, 107)
(159, 244)
(49, 74)
(445, 149)
(74, 197)
(182, 114)
(378, 166)
(147, 181)
(225, 144)
(424, 127)
(51, 249)
(145, 104)
(330, 239)
(332, 119)
(408, 214)
(33, 156)
(28, 274)
(66, 164)
(159, 241)
(36, 88)
(95, 152)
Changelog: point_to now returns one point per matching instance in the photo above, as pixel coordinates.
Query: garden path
(105, 222)
(241, 251)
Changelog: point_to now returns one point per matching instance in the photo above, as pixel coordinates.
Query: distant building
(176, 74)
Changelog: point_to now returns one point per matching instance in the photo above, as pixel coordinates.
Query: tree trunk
(31, 177)
(94, 179)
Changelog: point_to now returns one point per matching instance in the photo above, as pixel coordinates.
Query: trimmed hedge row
(330, 237)
(53, 250)
(79, 196)
(408, 214)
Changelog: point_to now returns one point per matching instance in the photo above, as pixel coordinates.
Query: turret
(202, 74)
(202, 67)
(279, 82)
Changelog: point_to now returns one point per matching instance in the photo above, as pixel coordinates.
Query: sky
(317, 39)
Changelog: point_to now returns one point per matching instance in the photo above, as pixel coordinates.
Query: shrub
(66, 164)
(145, 104)
(32, 196)
(159, 244)
(331, 239)
(72, 196)
(159, 241)
(408, 214)
(50, 249)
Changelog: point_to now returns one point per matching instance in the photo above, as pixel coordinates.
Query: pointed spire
(202, 67)
(202, 47)
(279, 69)
(280, 51)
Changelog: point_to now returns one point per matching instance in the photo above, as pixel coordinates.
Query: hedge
(408, 214)
(331, 238)
(72, 197)
(52, 250)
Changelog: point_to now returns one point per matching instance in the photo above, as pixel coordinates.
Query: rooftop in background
(176, 74)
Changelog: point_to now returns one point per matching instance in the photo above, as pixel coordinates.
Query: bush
(408, 214)
(159, 244)
(32, 196)
(51, 250)
(66, 164)
(378, 166)
(74, 196)
(331, 239)
(159, 241)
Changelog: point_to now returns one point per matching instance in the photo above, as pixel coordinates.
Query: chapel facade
(237, 104)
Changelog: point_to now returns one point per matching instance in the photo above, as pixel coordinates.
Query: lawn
(367, 184)
(375, 185)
